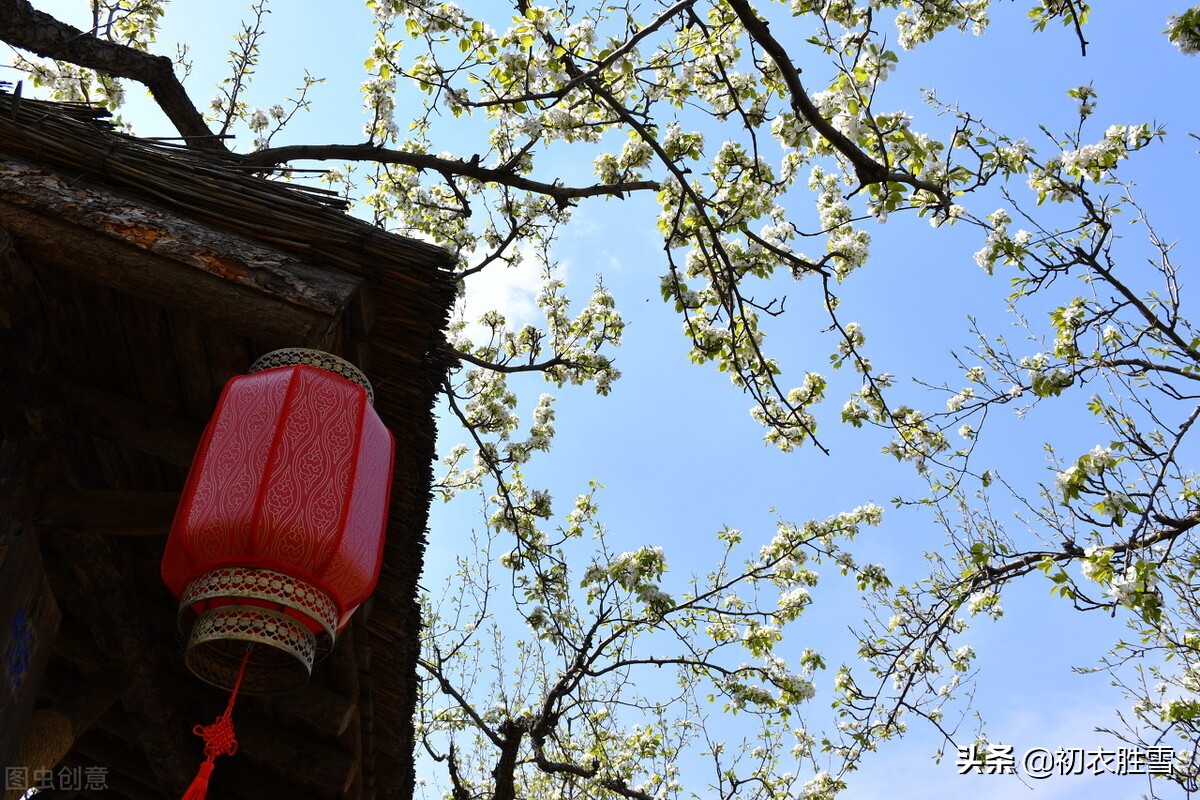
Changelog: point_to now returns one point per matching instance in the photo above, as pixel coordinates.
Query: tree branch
(435, 670)
(1174, 528)
(598, 66)
(614, 785)
(731, 300)
(866, 169)
(505, 771)
(563, 195)
(557, 361)
(22, 26)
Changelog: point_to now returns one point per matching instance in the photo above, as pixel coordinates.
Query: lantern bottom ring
(282, 658)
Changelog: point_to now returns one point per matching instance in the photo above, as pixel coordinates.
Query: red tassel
(199, 788)
(218, 740)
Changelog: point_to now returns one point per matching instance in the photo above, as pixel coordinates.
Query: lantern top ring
(307, 356)
(263, 584)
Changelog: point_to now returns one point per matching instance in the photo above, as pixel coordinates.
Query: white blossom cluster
(956, 402)
(432, 15)
(73, 84)
(849, 245)
(916, 439)
(1000, 247)
(1014, 157)
(379, 101)
(1132, 587)
(635, 156)
(921, 21)
(839, 104)
(986, 602)
(1095, 562)
(1067, 321)
(1090, 162)
(791, 131)
(785, 427)
(1093, 160)
(635, 571)
(1089, 465)
(793, 688)
(1184, 31)
(786, 548)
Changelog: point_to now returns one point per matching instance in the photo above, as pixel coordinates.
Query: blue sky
(674, 444)
(679, 455)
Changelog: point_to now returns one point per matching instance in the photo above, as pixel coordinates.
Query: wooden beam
(29, 615)
(128, 422)
(313, 766)
(246, 781)
(314, 707)
(256, 289)
(127, 770)
(290, 751)
(60, 794)
(366, 724)
(96, 776)
(358, 353)
(360, 313)
(265, 747)
(75, 647)
(327, 711)
(352, 740)
(343, 667)
(360, 319)
(233, 777)
(95, 590)
(121, 513)
(92, 697)
(153, 277)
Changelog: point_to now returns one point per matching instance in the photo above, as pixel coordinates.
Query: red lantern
(280, 528)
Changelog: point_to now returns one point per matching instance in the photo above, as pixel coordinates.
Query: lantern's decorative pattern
(279, 532)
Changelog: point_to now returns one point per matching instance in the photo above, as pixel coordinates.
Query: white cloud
(510, 290)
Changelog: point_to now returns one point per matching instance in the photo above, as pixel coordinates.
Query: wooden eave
(135, 279)
(254, 290)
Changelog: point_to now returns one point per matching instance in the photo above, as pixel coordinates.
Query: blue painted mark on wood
(20, 649)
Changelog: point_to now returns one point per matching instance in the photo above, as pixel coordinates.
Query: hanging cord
(218, 739)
